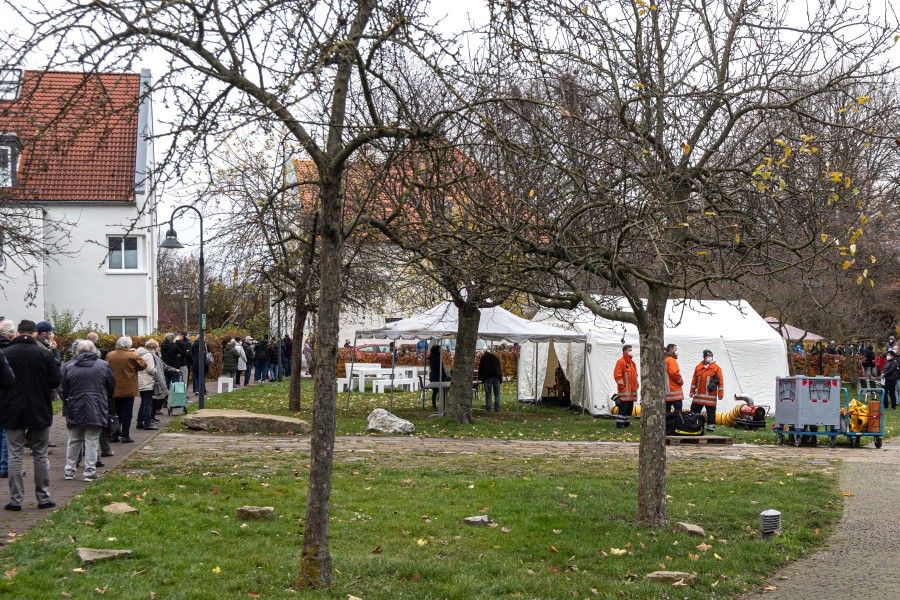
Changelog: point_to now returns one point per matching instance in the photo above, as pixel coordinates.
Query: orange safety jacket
(626, 378)
(702, 374)
(675, 391)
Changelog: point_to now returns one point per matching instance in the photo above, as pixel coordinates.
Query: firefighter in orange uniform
(626, 378)
(707, 388)
(675, 391)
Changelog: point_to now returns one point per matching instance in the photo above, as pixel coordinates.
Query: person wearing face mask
(626, 378)
(707, 388)
(675, 391)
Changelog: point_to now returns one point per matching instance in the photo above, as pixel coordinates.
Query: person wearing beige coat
(125, 365)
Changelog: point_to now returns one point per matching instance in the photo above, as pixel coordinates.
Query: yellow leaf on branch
(824, 238)
(846, 265)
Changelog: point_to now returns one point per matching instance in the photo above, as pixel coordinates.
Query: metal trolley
(853, 437)
(807, 408)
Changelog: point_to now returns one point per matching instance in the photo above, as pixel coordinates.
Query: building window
(123, 253)
(10, 148)
(10, 84)
(120, 326)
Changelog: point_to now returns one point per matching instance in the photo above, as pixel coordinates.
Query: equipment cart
(876, 430)
(806, 408)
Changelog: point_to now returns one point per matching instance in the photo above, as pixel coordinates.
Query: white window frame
(122, 320)
(139, 254)
(2, 251)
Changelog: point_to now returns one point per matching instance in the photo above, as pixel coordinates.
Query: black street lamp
(172, 242)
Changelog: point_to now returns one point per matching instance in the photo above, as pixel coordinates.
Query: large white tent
(750, 353)
(496, 324)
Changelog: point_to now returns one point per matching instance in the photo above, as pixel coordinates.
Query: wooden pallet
(702, 440)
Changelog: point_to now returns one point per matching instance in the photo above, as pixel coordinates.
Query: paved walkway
(859, 556)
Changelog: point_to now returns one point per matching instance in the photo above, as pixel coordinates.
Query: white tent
(497, 324)
(750, 353)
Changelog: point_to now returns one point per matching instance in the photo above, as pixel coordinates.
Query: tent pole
(393, 356)
(518, 356)
(535, 375)
(352, 364)
(584, 378)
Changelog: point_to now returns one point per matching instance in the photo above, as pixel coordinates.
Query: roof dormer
(10, 150)
(10, 84)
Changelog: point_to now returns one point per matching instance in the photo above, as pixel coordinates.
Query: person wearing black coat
(28, 405)
(261, 360)
(247, 344)
(275, 348)
(196, 356)
(436, 371)
(491, 374)
(891, 374)
(173, 356)
(87, 386)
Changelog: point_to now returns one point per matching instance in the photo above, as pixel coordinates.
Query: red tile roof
(79, 133)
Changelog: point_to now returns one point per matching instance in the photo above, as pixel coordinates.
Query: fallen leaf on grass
(72, 539)
(557, 531)
(816, 531)
(214, 532)
(848, 494)
(643, 547)
(617, 551)
(252, 595)
(662, 565)
(9, 574)
(714, 583)
(553, 549)
(716, 556)
(217, 570)
(595, 592)
(422, 542)
(141, 572)
(78, 570)
(152, 595)
(631, 575)
(244, 526)
(102, 590)
(504, 529)
(679, 583)
(770, 588)
(377, 550)
(602, 553)
(703, 547)
(693, 556)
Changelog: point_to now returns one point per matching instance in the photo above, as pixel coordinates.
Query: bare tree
(663, 149)
(324, 71)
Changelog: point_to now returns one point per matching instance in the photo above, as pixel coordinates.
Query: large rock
(91, 555)
(241, 421)
(384, 422)
(256, 513)
(690, 529)
(671, 577)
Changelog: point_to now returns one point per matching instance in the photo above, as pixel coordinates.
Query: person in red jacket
(626, 378)
(707, 388)
(675, 390)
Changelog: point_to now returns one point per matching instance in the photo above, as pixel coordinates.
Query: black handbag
(113, 424)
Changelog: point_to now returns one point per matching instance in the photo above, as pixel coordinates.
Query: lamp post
(185, 295)
(172, 242)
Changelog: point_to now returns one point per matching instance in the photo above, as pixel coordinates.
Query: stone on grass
(120, 508)
(91, 555)
(479, 521)
(690, 529)
(671, 577)
(241, 421)
(384, 422)
(256, 513)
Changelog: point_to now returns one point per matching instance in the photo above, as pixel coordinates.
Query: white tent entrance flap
(750, 353)
(496, 324)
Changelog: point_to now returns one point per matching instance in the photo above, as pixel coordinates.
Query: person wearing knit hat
(707, 388)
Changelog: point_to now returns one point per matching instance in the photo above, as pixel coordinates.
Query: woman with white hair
(125, 364)
(87, 386)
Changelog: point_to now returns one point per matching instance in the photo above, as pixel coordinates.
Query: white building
(75, 152)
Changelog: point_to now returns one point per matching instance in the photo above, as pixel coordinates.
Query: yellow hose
(728, 419)
(635, 412)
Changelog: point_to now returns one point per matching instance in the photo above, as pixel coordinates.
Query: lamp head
(171, 240)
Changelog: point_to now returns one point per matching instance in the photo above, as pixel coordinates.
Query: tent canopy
(791, 333)
(496, 324)
(750, 353)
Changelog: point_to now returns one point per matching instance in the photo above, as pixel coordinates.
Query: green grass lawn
(535, 422)
(564, 528)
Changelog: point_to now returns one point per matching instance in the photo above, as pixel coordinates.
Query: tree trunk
(652, 450)
(315, 561)
(294, 394)
(460, 399)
